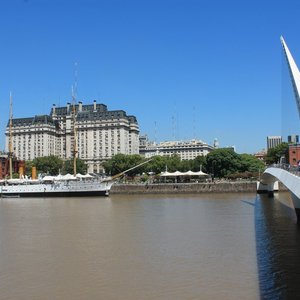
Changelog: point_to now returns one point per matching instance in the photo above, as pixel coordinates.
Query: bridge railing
(292, 169)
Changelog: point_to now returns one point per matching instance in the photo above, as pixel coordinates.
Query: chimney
(80, 105)
(53, 110)
(95, 105)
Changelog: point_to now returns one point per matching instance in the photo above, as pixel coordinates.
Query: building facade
(273, 141)
(100, 134)
(186, 150)
(293, 139)
(261, 154)
(4, 165)
(294, 154)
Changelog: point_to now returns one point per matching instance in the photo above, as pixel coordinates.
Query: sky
(186, 69)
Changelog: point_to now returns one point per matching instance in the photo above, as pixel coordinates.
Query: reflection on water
(278, 247)
(129, 247)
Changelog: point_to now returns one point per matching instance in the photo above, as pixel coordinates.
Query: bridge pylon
(288, 176)
(267, 188)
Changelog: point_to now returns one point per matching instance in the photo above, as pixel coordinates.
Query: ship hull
(62, 189)
(55, 194)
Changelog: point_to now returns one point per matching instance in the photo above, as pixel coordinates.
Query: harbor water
(205, 246)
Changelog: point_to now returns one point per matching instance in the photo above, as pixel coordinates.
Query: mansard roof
(83, 113)
(67, 110)
(98, 115)
(132, 119)
(38, 119)
(88, 113)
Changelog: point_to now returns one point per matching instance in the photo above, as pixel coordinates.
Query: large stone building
(186, 150)
(100, 134)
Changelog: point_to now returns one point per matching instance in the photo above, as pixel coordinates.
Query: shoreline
(185, 188)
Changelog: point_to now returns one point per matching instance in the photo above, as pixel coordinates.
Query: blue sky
(185, 68)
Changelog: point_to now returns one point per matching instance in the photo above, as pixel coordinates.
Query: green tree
(199, 161)
(81, 166)
(156, 165)
(159, 164)
(122, 162)
(249, 163)
(48, 164)
(186, 165)
(173, 163)
(133, 161)
(274, 154)
(250, 167)
(222, 162)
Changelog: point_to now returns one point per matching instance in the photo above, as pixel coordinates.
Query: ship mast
(10, 138)
(75, 151)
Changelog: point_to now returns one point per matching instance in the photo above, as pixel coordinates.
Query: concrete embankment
(184, 188)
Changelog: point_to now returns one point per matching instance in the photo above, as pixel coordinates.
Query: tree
(156, 165)
(159, 164)
(134, 160)
(48, 164)
(222, 162)
(249, 163)
(274, 154)
(199, 161)
(186, 165)
(250, 167)
(122, 162)
(173, 162)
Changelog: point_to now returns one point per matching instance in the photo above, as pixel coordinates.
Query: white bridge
(289, 176)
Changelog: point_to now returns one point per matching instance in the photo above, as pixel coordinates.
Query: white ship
(59, 186)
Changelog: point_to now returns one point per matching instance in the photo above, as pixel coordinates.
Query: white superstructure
(75, 187)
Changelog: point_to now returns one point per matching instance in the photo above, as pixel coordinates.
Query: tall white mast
(74, 94)
(75, 151)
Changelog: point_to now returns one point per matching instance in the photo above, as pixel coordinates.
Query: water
(278, 247)
(145, 247)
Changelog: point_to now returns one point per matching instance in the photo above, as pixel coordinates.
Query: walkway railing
(292, 169)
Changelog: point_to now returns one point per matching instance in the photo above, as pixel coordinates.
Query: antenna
(173, 127)
(155, 132)
(175, 123)
(194, 122)
(75, 79)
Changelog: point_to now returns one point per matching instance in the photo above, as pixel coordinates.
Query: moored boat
(55, 187)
